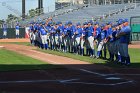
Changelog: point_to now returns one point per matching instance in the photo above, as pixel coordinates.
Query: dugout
(11, 33)
(135, 27)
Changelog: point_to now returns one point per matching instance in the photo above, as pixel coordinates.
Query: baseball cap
(96, 23)
(69, 22)
(102, 25)
(85, 23)
(109, 23)
(66, 23)
(50, 23)
(90, 21)
(125, 20)
(78, 24)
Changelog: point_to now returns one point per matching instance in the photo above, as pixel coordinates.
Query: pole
(23, 9)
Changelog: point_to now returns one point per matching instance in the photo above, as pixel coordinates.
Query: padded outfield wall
(135, 27)
(11, 33)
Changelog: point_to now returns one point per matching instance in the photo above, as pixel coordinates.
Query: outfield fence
(135, 27)
(12, 34)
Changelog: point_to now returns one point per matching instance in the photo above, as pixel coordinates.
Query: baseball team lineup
(86, 39)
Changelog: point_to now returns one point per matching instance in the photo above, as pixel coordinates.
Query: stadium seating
(126, 14)
(92, 12)
(82, 13)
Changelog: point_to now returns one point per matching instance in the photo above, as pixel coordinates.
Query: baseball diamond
(80, 46)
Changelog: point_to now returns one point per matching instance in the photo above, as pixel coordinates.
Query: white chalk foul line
(100, 84)
(70, 81)
(91, 72)
(35, 81)
(99, 74)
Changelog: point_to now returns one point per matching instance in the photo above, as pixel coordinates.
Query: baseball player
(117, 44)
(36, 28)
(69, 36)
(61, 28)
(109, 34)
(73, 39)
(4, 30)
(56, 34)
(84, 39)
(90, 39)
(101, 40)
(112, 42)
(78, 34)
(17, 30)
(31, 32)
(64, 37)
(43, 36)
(51, 35)
(124, 41)
(97, 35)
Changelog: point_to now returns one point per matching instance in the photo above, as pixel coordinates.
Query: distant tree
(32, 12)
(1, 22)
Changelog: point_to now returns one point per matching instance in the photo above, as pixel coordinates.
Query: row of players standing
(73, 39)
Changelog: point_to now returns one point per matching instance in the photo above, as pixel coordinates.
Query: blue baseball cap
(114, 25)
(85, 23)
(37, 22)
(120, 22)
(43, 23)
(109, 23)
(50, 23)
(102, 25)
(31, 22)
(69, 22)
(66, 23)
(125, 20)
(78, 24)
(60, 22)
(96, 23)
(57, 23)
(90, 21)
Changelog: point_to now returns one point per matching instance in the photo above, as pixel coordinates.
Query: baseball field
(27, 69)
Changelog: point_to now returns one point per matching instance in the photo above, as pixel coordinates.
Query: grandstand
(95, 13)
(84, 12)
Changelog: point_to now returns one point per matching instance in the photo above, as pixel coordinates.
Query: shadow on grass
(24, 67)
(95, 66)
(119, 65)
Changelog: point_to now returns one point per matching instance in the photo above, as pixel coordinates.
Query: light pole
(23, 9)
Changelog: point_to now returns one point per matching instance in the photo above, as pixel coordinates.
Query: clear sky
(15, 6)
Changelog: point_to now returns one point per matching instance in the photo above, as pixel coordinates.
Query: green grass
(134, 54)
(73, 56)
(11, 61)
(18, 43)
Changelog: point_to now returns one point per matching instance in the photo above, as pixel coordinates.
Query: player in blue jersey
(17, 30)
(112, 42)
(31, 32)
(69, 36)
(56, 33)
(4, 30)
(85, 39)
(60, 40)
(43, 36)
(108, 38)
(64, 37)
(97, 34)
(78, 34)
(101, 44)
(36, 28)
(90, 39)
(51, 35)
(124, 41)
